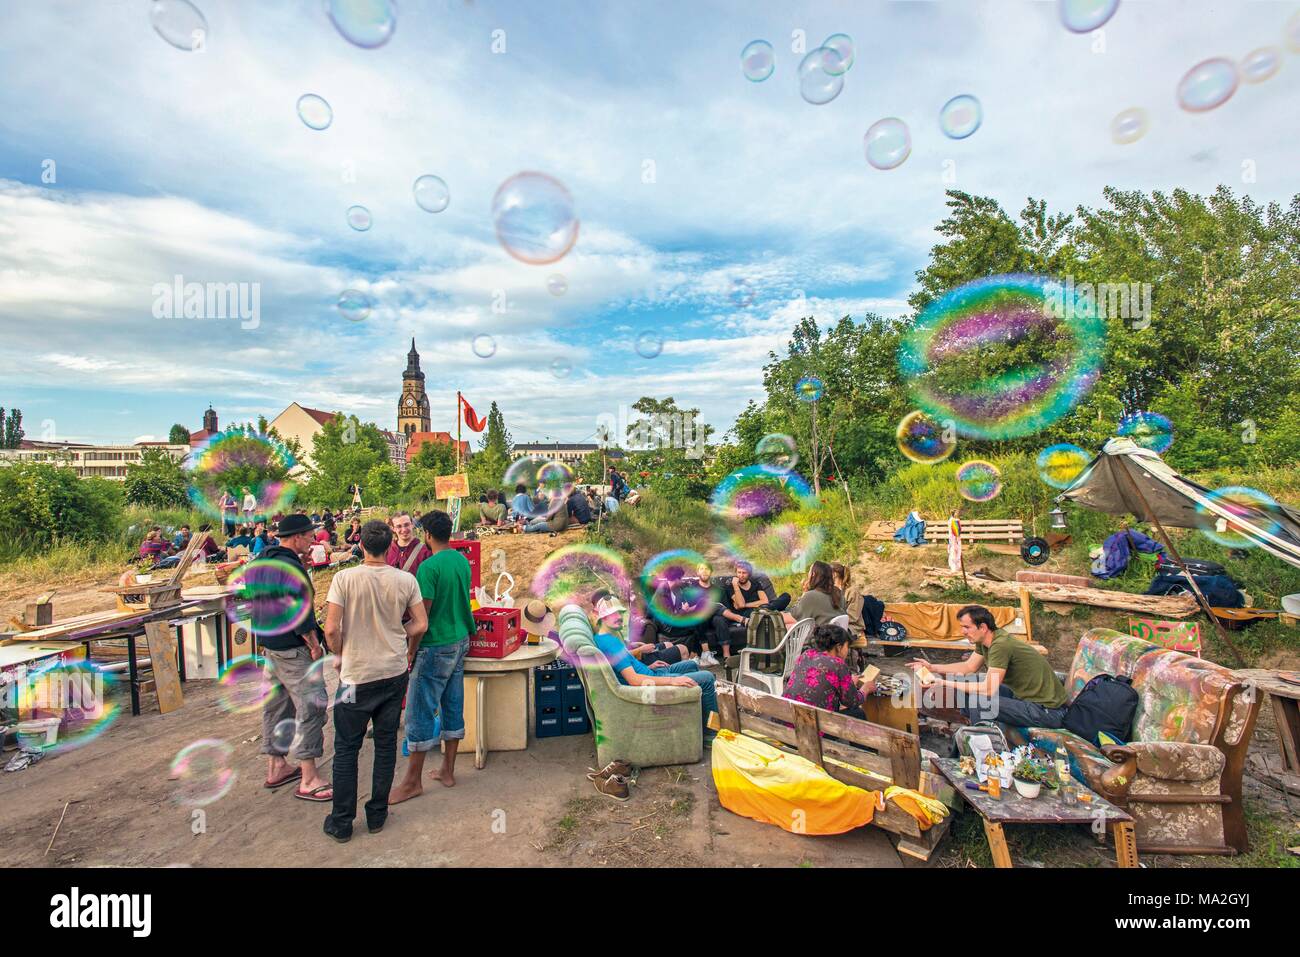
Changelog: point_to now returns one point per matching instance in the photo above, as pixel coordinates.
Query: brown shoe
(621, 768)
(614, 786)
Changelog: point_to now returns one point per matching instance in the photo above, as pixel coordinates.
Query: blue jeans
(708, 691)
(437, 690)
(542, 524)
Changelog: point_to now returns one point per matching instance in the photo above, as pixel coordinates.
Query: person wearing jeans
(374, 622)
(437, 688)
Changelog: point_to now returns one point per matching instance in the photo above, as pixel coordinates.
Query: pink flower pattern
(823, 681)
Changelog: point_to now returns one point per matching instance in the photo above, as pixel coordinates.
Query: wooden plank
(841, 726)
(1286, 714)
(73, 624)
(162, 654)
(905, 761)
(1167, 606)
(1126, 854)
(866, 760)
(806, 734)
(997, 844)
(727, 712)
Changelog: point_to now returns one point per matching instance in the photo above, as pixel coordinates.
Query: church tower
(413, 406)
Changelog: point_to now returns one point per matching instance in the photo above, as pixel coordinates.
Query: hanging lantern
(1058, 517)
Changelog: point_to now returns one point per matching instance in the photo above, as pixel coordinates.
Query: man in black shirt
(579, 507)
(296, 701)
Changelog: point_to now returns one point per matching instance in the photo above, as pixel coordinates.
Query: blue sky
(170, 162)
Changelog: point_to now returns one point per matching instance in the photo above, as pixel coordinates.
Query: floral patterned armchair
(1180, 774)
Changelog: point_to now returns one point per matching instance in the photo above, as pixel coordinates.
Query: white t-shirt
(250, 502)
(373, 599)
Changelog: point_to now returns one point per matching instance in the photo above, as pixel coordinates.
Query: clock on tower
(413, 406)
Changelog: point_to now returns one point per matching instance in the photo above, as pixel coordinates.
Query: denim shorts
(435, 698)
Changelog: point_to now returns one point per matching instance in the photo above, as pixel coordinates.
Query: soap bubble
(534, 218)
(560, 368)
(809, 388)
(1257, 510)
(314, 111)
(1059, 465)
(364, 23)
(777, 451)
(323, 673)
(1150, 430)
(649, 345)
(1260, 65)
(359, 218)
(672, 590)
(245, 684)
(979, 481)
(768, 517)
(202, 772)
(273, 596)
(821, 76)
(924, 439)
(841, 44)
(78, 692)
(1293, 32)
(354, 305)
(484, 346)
(236, 461)
(282, 735)
(1207, 85)
(556, 284)
(1084, 16)
(757, 61)
(961, 116)
(180, 23)
(1129, 126)
(574, 573)
(431, 193)
(887, 143)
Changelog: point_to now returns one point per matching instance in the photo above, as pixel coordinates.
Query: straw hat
(536, 619)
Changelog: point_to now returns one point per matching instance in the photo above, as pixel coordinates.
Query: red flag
(474, 423)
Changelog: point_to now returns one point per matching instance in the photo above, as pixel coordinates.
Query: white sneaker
(707, 658)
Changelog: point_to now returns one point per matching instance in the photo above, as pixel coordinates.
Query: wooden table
(512, 712)
(1285, 698)
(1047, 808)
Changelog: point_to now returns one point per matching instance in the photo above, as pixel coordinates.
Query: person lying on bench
(821, 677)
(609, 614)
(821, 599)
(1019, 690)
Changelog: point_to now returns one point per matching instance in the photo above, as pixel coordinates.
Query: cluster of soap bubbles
(821, 72)
(1254, 509)
(1150, 430)
(809, 388)
(78, 692)
(554, 480)
(777, 452)
(925, 440)
(272, 596)
(1059, 465)
(953, 337)
(671, 587)
(979, 481)
(234, 461)
(768, 517)
(535, 218)
(202, 772)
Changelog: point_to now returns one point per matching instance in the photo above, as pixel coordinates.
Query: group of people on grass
(543, 511)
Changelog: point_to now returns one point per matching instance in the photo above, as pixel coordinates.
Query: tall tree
(12, 432)
(157, 481)
(179, 435)
(497, 438)
(343, 453)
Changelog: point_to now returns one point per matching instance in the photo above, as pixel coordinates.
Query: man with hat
(296, 690)
(537, 620)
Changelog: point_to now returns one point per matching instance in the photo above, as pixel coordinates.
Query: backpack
(766, 628)
(1106, 704)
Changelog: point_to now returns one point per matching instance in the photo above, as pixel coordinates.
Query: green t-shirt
(1028, 674)
(444, 582)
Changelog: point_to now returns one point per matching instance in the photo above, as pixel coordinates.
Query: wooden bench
(866, 755)
(1011, 531)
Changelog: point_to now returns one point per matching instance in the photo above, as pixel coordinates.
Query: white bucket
(38, 733)
(1291, 604)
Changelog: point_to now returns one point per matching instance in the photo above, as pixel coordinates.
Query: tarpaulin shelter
(1128, 479)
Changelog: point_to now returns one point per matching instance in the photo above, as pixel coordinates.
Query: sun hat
(536, 619)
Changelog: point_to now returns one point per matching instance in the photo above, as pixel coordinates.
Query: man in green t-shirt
(435, 699)
(1019, 690)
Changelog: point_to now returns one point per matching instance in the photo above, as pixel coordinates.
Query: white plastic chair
(841, 621)
(791, 646)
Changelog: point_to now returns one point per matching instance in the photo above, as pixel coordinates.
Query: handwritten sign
(451, 486)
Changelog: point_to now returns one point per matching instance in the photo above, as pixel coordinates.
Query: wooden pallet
(1011, 531)
(158, 595)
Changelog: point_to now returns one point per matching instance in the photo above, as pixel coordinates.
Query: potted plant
(1028, 778)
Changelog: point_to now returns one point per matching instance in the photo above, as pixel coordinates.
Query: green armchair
(645, 726)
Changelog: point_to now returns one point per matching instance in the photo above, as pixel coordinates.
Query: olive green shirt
(1028, 674)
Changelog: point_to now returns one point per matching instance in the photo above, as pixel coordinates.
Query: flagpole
(459, 416)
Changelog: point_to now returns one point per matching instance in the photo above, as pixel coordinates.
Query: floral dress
(823, 681)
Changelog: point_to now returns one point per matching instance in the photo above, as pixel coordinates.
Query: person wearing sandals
(297, 689)
(365, 626)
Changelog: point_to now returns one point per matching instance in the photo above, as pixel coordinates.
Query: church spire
(413, 363)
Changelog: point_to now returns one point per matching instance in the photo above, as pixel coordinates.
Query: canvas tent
(1166, 496)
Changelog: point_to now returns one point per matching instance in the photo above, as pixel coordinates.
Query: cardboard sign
(451, 486)
(1184, 636)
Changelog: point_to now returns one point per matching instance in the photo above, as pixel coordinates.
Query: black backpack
(1106, 703)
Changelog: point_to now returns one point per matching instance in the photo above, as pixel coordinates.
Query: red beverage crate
(496, 633)
(470, 549)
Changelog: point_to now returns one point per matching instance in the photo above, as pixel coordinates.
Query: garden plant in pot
(1029, 777)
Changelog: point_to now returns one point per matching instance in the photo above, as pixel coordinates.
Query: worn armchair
(645, 726)
(1180, 773)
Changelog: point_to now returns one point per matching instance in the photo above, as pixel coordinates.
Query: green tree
(496, 438)
(179, 435)
(42, 503)
(343, 453)
(11, 429)
(157, 481)
(382, 484)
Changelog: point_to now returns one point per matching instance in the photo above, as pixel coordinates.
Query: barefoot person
(297, 690)
(437, 681)
(364, 625)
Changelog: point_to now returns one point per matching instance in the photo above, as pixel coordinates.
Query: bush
(41, 504)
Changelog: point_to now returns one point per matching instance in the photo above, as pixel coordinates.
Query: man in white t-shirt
(363, 625)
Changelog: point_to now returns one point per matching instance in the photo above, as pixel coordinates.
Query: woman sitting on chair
(821, 677)
(821, 600)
